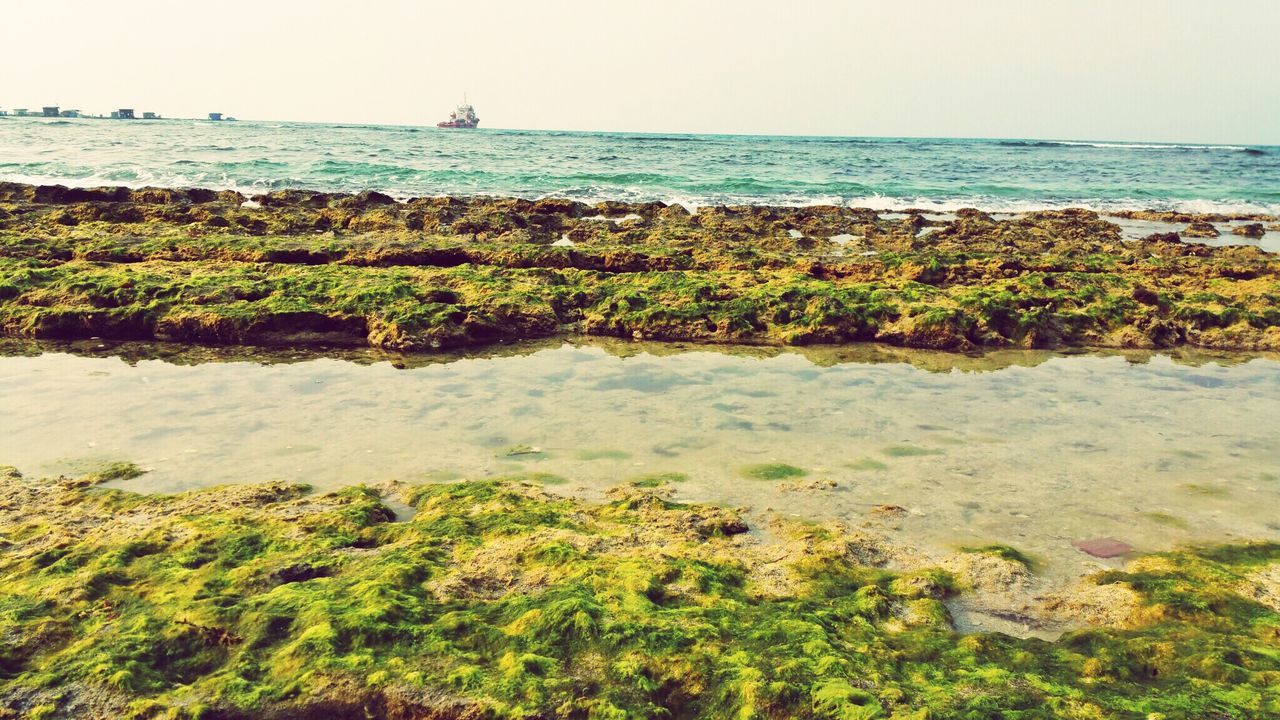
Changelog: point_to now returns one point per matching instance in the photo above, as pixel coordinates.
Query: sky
(1154, 70)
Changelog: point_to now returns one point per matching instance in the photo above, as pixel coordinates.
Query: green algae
(1004, 552)
(536, 478)
(602, 454)
(867, 464)
(520, 451)
(437, 273)
(1167, 520)
(496, 600)
(771, 471)
(118, 470)
(652, 480)
(899, 451)
(1211, 491)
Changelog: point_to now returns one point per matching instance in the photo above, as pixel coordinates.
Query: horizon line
(686, 133)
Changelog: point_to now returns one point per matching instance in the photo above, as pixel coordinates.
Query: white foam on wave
(882, 203)
(932, 205)
(692, 203)
(1145, 146)
(143, 179)
(615, 221)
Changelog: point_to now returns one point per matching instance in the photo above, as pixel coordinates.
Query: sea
(996, 175)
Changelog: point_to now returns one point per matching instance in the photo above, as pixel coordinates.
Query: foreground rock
(499, 601)
(296, 267)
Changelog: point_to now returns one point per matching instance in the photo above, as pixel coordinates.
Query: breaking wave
(940, 175)
(1128, 146)
(1004, 205)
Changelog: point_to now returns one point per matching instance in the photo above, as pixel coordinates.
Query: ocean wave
(659, 138)
(250, 178)
(136, 179)
(1128, 146)
(1007, 205)
(693, 170)
(615, 178)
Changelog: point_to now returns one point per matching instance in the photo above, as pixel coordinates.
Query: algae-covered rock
(499, 600)
(772, 471)
(1201, 230)
(301, 266)
(991, 569)
(1250, 230)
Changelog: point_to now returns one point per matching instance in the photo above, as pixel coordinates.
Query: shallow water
(1025, 448)
(1138, 229)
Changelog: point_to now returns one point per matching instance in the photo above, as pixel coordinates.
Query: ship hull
(457, 125)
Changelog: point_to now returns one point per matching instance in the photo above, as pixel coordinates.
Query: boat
(463, 117)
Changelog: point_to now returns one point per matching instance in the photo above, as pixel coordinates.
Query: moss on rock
(433, 273)
(499, 600)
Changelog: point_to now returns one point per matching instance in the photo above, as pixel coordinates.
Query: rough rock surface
(299, 267)
(1252, 230)
(1263, 586)
(1113, 605)
(1201, 230)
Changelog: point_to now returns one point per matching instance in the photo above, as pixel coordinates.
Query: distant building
(150, 116)
(69, 114)
(49, 111)
(215, 116)
(20, 112)
(3, 113)
(124, 114)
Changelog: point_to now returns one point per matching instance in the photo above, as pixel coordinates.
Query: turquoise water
(882, 173)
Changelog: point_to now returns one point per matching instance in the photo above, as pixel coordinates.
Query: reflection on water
(1026, 448)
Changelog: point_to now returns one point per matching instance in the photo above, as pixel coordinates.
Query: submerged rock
(889, 511)
(1103, 547)
(1252, 230)
(1201, 230)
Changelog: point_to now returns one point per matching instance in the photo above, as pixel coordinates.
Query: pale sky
(1172, 70)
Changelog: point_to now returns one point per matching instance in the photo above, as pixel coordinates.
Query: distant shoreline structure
(55, 112)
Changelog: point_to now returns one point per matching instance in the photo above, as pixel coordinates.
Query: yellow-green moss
(438, 273)
(497, 600)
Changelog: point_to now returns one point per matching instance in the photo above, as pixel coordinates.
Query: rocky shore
(493, 599)
(432, 273)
